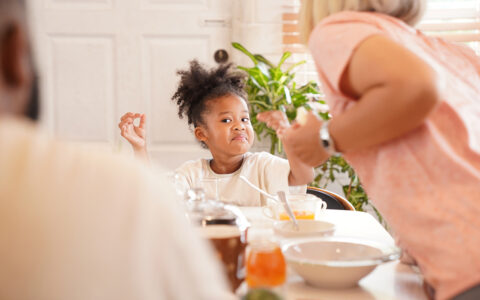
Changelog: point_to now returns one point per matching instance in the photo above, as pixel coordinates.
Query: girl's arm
(135, 135)
(395, 91)
(300, 173)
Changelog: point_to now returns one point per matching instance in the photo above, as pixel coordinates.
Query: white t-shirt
(266, 171)
(78, 225)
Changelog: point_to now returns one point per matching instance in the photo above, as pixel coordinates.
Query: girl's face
(227, 130)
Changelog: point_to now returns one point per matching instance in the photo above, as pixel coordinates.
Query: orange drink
(304, 207)
(265, 265)
(299, 215)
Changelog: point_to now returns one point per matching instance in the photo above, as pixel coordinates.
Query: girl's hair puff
(198, 85)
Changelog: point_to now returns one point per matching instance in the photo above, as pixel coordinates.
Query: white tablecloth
(392, 280)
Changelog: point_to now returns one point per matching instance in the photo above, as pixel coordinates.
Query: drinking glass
(178, 183)
(210, 187)
(265, 265)
(304, 207)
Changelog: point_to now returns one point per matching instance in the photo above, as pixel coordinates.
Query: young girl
(214, 102)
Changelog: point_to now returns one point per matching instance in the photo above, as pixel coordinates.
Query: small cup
(304, 207)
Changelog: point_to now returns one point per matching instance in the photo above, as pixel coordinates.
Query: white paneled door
(101, 58)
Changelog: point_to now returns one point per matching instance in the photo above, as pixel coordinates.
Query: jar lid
(211, 212)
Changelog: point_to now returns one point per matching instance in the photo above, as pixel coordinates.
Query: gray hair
(8, 4)
(313, 11)
(12, 9)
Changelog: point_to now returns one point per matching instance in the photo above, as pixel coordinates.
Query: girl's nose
(239, 126)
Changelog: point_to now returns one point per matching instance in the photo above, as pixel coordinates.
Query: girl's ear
(200, 134)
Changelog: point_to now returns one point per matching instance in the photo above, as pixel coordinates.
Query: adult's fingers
(281, 133)
(268, 115)
(270, 122)
(295, 126)
(263, 116)
(285, 134)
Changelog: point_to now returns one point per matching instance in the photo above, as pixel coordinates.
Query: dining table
(389, 281)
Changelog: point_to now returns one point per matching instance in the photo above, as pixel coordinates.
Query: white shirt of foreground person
(82, 226)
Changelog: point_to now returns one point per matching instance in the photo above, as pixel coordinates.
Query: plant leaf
(262, 59)
(238, 46)
(263, 68)
(287, 94)
(295, 65)
(276, 74)
(263, 104)
(284, 58)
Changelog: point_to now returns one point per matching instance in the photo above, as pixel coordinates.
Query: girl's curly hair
(199, 85)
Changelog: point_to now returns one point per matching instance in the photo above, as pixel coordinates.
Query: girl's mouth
(242, 138)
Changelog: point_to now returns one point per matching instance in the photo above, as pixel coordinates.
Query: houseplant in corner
(269, 87)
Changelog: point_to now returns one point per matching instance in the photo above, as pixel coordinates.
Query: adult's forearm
(383, 114)
(300, 173)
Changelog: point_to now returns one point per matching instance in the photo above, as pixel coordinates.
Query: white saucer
(306, 228)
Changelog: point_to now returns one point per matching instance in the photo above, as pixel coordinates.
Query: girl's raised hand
(135, 135)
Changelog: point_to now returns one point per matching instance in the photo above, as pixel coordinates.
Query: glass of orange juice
(299, 215)
(304, 207)
(265, 265)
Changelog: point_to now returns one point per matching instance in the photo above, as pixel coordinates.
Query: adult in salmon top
(406, 115)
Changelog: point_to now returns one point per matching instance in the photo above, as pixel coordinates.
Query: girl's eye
(226, 120)
(245, 120)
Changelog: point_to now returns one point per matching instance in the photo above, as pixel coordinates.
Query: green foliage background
(269, 87)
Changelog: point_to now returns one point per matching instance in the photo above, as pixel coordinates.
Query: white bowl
(306, 228)
(336, 262)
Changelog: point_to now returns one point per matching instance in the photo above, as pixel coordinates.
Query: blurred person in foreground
(77, 225)
(406, 115)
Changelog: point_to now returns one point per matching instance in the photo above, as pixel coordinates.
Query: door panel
(161, 80)
(102, 58)
(86, 93)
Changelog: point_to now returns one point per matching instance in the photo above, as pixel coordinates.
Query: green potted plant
(269, 87)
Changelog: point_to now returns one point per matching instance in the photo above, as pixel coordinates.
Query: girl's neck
(226, 165)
